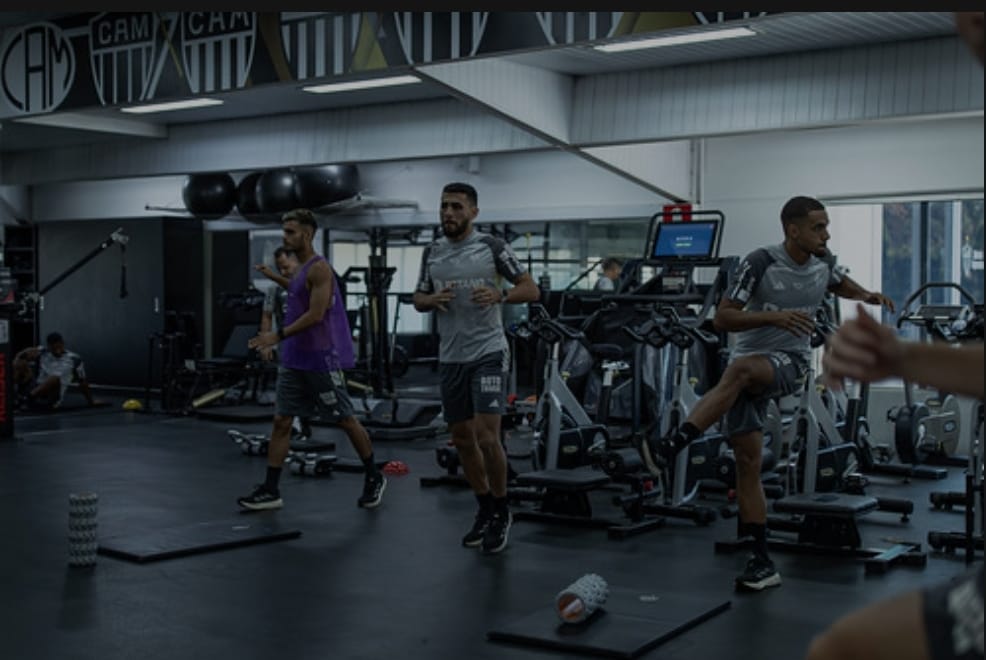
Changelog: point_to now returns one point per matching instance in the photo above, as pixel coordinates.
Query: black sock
(690, 431)
(759, 533)
(370, 465)
(500, 505)
(485, 502)
(273, 477)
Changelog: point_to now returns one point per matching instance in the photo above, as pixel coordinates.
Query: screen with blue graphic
(685, 240)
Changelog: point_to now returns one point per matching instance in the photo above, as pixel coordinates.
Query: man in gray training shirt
(461, 277)
(770, 304)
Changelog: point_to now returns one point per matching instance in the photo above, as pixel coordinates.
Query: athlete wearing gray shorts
(770, 305)
(303, 393)
(461, 281)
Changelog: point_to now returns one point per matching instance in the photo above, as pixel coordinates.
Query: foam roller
(577, 602)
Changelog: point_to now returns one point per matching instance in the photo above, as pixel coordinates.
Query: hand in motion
(267, 354)
(797, 323)
(264, 270)
(263, 340)
(863, 350)
(441, 299)
(485, 296)
(877, 298)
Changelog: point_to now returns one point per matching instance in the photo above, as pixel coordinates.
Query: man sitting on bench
(57, 368)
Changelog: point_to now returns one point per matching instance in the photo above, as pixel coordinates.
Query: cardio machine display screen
(685, 240)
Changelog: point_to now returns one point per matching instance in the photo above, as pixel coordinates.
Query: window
(897, 246)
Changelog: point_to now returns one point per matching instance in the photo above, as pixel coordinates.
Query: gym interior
(146, 159)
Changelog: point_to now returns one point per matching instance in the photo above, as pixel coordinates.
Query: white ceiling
(784, 33)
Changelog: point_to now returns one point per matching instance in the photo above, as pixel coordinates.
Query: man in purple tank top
(315, 345)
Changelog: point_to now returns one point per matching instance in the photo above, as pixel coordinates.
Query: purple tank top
(325, 346)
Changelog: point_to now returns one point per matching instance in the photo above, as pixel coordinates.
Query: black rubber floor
(389, 583)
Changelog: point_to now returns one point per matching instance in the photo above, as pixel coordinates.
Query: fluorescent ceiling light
(361, 84)
(171, 105)
(676, 40)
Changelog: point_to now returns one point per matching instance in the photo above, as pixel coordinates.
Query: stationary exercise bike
(680, 481)
(929, 432)
(564, 434)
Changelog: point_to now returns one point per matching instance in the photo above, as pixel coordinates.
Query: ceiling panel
(781, 33)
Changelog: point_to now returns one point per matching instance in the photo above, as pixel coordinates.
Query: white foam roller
(576, 602)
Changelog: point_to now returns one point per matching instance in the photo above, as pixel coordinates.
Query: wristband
(280, 334)
(503, 295)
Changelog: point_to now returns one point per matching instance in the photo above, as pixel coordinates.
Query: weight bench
(408, 419)
(565, 499)
(825, 523)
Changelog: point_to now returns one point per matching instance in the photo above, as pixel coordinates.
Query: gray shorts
(749, 411)
(474, 387)
(302, 393)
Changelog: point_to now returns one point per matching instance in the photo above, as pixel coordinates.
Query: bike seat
(606, 351)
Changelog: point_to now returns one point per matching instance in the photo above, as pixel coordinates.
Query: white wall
(750, 177)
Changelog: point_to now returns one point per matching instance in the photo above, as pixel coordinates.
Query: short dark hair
(465, 189)
(54, 338)
(283, 252)
(611, 262)
(799, 207)
(301, 216)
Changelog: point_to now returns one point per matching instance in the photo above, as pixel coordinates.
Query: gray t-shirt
(769, 280)
(605, 284)
(468, 331)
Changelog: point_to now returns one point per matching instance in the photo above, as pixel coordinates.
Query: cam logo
(127, 52)
(37, 68)
(567, 27)
(217, 49)
(320, 44)
(430, 36)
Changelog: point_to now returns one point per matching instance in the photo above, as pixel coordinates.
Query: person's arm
(508, 266)
(852, 290)
(425, 297)
(891, 629)
(731, 317)
(266, 324)
(79, 376)
(864, 350)
(270, 274)
(524, 290)
(28, 354)
(86, 392)
(320, 294)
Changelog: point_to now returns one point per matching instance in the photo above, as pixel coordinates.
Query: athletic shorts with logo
(474, 387)
(303, 393)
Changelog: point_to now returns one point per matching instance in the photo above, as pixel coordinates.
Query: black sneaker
(759, 574)
(261, 499)
(660, 454)
(495, 538)
(474, 537)
(373, 488)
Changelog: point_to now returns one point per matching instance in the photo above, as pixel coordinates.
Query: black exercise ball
(276, 191)
(209, 194)
(246, 194)
(318, 186)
